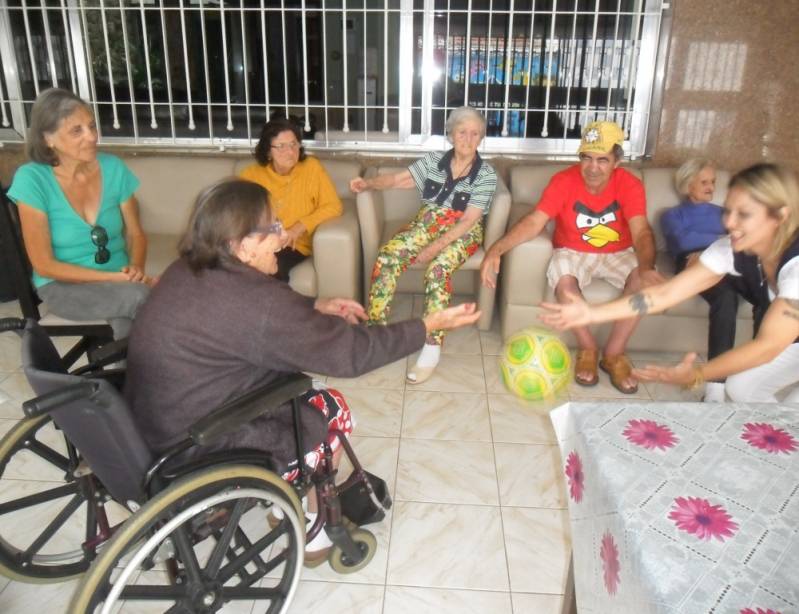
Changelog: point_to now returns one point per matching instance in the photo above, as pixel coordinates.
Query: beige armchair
(523, 283)
(382, 213)
(170, 184)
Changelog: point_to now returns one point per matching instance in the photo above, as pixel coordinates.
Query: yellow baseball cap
(600, 137)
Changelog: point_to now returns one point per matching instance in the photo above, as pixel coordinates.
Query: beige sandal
(619, 368)
(417, 375)
(586, 360)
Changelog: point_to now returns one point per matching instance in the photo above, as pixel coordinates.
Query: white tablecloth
(682, 507)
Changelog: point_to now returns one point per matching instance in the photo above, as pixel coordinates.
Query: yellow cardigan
(305, 195)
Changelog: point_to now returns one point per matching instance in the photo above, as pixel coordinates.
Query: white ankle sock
(321, 540)
(714, 392)
(429, 356)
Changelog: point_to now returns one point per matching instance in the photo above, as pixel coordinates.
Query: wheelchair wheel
(367, 544)
(48, 505)
(201, 543)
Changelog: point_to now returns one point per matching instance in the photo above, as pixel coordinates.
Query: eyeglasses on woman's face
(285, 146)
(99, 237)
(276, 228)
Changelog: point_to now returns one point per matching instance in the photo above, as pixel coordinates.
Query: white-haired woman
(689, 228)
(456, 189)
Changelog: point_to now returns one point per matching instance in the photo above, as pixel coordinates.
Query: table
(682, 507)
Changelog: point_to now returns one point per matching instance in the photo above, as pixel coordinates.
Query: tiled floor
(479, 522)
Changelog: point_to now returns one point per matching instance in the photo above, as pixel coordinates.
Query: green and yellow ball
(535, 364)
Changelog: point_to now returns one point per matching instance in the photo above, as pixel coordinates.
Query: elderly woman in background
(456, 189)
(689, 228)
(301, 192)
(761, 216)
(220, 347)
(79, 217)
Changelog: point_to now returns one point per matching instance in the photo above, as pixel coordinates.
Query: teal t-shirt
(35, 185)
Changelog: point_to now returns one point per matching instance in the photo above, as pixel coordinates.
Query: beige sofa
(523, 270)
(382, 213)
(170, 184)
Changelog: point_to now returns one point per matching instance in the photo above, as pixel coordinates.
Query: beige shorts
(614, 267)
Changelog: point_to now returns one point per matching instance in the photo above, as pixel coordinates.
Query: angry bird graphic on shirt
(594, 224)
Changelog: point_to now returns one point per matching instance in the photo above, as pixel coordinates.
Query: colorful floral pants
(395, 256)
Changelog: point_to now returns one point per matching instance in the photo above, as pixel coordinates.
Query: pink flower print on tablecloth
(759, 611)
(609, 554)
(766, 437)
(696, 516)
(574, 471)
(649, 434)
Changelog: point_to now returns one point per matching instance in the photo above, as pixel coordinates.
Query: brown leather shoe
(586, 360)
(315, 558)
(619, 368)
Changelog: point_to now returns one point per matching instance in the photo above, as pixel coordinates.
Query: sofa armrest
(524, 271)
(337, 255)
(371, 218)
(497, 219)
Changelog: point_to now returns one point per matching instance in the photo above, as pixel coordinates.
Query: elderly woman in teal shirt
(79, 217)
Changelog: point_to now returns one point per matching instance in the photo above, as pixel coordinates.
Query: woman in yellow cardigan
(301, 192)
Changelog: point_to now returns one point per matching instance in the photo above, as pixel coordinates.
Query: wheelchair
(199, 533)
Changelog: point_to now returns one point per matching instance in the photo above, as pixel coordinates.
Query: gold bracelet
(699, 379)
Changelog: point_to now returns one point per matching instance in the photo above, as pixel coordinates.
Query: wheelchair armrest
(109, 353)
(7, 324)
(57, 398)
(246, 408)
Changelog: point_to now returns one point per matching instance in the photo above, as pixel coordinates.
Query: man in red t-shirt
(601, 231)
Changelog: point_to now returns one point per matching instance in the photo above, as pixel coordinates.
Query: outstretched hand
(682, 374)
(452, 317)
(351, 311)
(358, 185)
(562, 316)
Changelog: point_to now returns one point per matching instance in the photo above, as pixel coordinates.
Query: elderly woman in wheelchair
(204, 467)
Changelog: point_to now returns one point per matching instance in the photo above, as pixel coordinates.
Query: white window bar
(128, 71)
(285, 59)
(206, 74)
(182, 10)
(305, 76)
(385, 66)
(167, 72)
(427, 70)
(467, 59)
(405, 69)
(571, 69)
(245, 74)
(510, 53)
(70, 60)
(638, 120)
(88, 51)
(634, 63)
(345, 55)
(531, 49)
(615, 55)
(544, 130)
(487, 71)
(108, 65)
(324, 72)
(146, 51)
(48, 39)
(225, 67)
(34, 71)
(446, 55)
(265, 61)
(588, 116)
(365, 75)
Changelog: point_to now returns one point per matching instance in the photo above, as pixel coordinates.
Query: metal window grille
(376, 75)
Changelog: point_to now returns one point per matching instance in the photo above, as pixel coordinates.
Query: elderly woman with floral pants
(456, 189)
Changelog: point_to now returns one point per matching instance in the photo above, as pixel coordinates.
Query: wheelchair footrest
(358, 504)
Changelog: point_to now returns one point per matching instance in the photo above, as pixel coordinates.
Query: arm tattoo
(640, 303)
